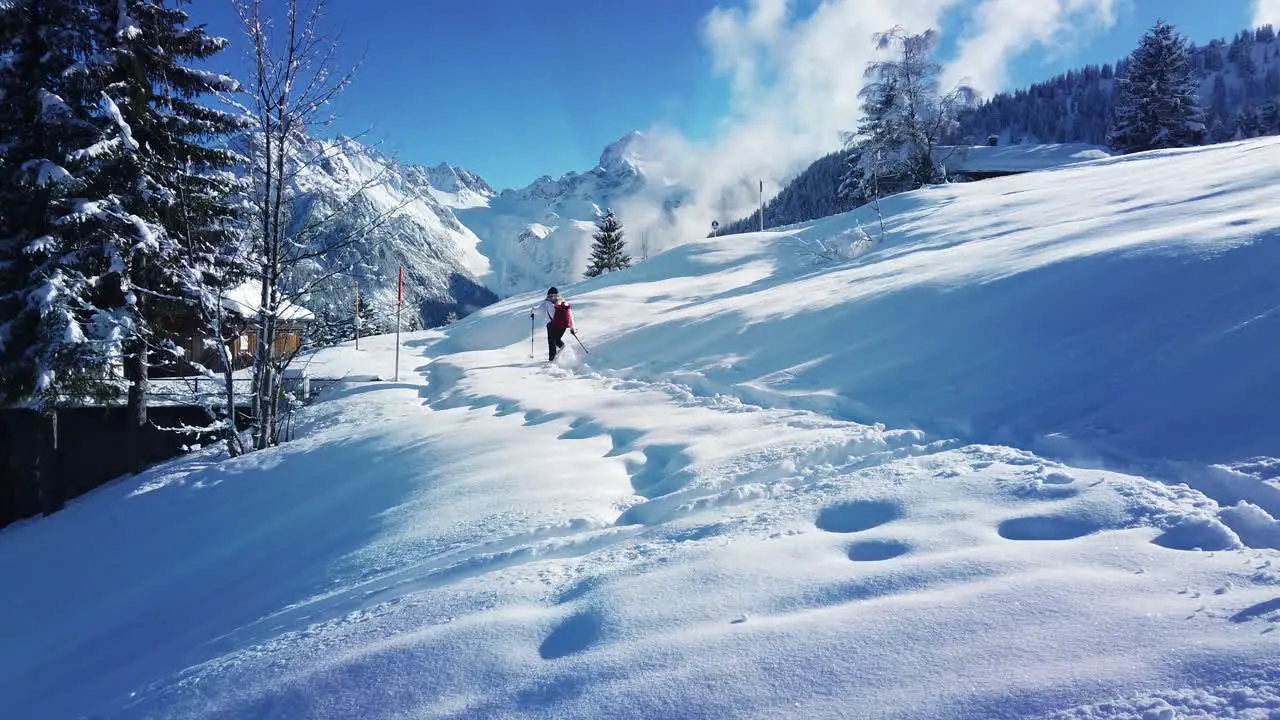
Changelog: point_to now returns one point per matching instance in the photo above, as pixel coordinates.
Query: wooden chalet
(240, 323)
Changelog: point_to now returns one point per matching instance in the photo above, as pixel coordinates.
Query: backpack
(562, 318)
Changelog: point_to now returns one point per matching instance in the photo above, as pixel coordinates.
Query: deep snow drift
(796, 476)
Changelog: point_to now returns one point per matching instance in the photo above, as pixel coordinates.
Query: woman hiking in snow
(559, 319)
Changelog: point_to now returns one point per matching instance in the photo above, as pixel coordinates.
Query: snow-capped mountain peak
(450, 179)
(457, 187)
(623, 156)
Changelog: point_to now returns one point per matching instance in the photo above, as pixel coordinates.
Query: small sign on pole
(715, 227)
(399, 303)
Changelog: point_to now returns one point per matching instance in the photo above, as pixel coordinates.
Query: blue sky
(514, 89)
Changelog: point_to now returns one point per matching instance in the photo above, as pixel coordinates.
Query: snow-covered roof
(246, 299)
(1017, 158)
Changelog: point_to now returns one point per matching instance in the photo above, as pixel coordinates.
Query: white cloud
(1000, 30)
(795, 83)
(1266, 12)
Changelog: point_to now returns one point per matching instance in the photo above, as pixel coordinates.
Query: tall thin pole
(762, 205)
(875, 179)
(357, 316)
(399, 303)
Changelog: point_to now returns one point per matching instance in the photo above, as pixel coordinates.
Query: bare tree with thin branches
(293, 85)
(905, 118)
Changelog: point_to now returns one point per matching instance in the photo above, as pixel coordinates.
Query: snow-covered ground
(1016, 158)
(1018, 460)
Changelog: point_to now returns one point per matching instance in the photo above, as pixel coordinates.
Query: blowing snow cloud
(795, 82)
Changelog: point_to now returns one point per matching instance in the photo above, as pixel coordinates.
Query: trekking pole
(584, 347)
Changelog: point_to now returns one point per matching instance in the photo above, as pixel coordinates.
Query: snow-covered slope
(540, 235)
(814, 193)
(356, 185)
(1019, 461)
(963, 159)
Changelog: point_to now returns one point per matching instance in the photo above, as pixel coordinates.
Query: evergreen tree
(1271, 83)
(170, 175)
(1213, 60)
(1218, 131)
(1247, 123)
(876, 164)
(1218, 103)
(1246, 65)
(1158, 104)
(608, 252)
(60, 314)
(1269, 117)
(337, 324)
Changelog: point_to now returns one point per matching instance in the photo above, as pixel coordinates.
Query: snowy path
(697, 525)
(748, 547)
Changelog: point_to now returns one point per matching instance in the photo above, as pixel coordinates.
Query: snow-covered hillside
(814, 193)
(540, 235)
(356, 185)
(1239, 91)
(1019, 461)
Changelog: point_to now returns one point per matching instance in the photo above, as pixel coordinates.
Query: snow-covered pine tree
(906, 116)
(1158, 98)
(1218, 131)
(1269, 116)
(172, 178)
(1246, 123)
(875, 149)
(337, 324)
(1219, 109)
(61, 308)
(608, 252)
